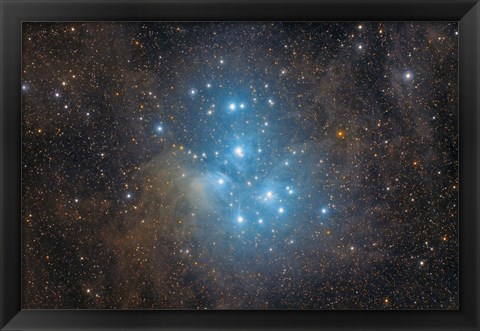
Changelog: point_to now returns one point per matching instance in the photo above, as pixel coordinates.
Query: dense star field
(240, 165)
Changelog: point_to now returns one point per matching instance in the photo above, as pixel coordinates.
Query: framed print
(240, 165)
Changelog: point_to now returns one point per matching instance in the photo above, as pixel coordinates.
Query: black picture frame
(14, 12)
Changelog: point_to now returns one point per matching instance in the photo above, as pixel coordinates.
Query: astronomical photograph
(240, 165)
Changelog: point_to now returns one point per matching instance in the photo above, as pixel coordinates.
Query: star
(239, 152)
(408, 76)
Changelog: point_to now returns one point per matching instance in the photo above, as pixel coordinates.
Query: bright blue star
(239, 152)
(408, 76)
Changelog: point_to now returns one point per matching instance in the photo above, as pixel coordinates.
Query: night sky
(240, 165)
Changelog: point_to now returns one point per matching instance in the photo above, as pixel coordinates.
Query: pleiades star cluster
(240, 165)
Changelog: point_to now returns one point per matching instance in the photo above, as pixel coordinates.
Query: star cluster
(240, 165)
